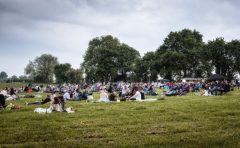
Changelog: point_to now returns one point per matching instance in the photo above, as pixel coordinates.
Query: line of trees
(4, 78)
(46, 67)
(107, 59)
(182, 54)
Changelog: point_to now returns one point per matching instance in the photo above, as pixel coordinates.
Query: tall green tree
(23, 78)
(3, 76)
(217, 55)
(146, 68)
(61, 71)
(99, 61)
(233, 50)
(42, 68)
(179, 55)
(74, 76)
(107, 59)
(224, 56)
(126, 60)
(14, 79)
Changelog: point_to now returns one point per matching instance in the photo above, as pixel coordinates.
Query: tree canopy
(182, 54)
(3, 76)
(64, 73)
(107, 59)
(224, 56)
(42, 68)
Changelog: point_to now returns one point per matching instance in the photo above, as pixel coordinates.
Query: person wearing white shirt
(104, 96)
(125, 91)
(136, 96)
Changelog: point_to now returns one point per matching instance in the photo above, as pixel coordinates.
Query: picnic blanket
(148, 100)
(50, 110)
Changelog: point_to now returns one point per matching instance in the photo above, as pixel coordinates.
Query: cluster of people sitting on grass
(149, 88)
(9, 94)
(108, 92)
(126, 91)
(200, 88)
(57, 103)
(115, 91)
(108, 95)
(217, 87)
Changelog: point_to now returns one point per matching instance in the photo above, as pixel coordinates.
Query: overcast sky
(63, 28)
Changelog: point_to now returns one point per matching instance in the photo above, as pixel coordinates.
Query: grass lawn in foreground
(186, 121)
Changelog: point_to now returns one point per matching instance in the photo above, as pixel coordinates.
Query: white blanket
(49, 110)
(148, 100)
(43, 110)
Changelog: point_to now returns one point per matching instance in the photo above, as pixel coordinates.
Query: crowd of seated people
(110, 92)
(57, 104)
(119, 91)
(77, 94)
(9, 94)
(107, 93)
(205, 88)
(134, 91)
(177, 89)
(218, 87)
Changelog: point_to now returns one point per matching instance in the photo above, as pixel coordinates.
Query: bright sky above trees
(64, 28)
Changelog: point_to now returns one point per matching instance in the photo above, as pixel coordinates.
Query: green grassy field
(187, 121)
(14, 85)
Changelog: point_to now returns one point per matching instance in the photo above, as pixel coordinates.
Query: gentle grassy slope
(14, 85)
(188, 121)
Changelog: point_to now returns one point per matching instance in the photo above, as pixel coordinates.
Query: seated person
(142, 93)
(12, 92)
(11, 96)
(204, 92)
(125, 91)
(76, 95)
(152, 93)
(172, 92)
(79, 96)
(2, 102)
(83, 95)
(58, 104)
(136, 95)
(145, 89)
(103, 96)
(112, 96)
(186, 88)
(26, 89)
(165, 88)
(66, 96)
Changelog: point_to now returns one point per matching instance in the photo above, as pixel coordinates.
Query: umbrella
(216, 77)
